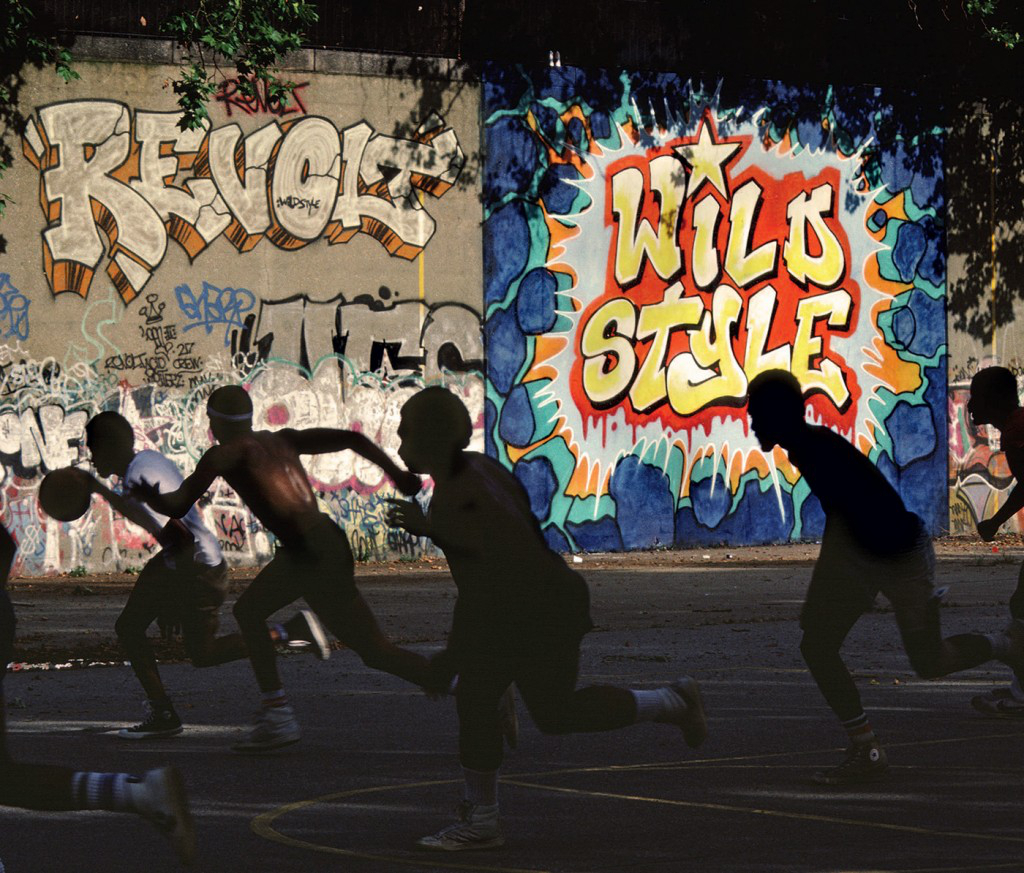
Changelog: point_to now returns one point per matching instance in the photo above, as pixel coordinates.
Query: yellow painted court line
(771, 813)
(262, 825)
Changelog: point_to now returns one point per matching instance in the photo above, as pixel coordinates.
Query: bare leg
(356, 626)
(138, 614)
(271, 590)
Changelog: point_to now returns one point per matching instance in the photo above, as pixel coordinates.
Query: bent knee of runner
(129, 635)
(247, 615)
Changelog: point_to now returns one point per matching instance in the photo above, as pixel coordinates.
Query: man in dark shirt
(519, 617)
(871, 543)
(994, 401)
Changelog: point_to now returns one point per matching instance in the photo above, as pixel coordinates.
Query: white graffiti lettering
(102, 169)
(41, 437)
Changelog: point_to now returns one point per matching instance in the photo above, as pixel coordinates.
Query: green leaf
(252, 36)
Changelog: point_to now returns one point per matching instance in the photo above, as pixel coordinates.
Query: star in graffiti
(707, 159)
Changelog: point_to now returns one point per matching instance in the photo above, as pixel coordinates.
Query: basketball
(64, 494)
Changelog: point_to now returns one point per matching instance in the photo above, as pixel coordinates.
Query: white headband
(225, 416)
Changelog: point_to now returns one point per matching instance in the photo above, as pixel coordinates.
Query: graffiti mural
(108, 172)
(13, 310)
(330, 265)
(650, 247)
(337, 363)
(51, 435)
(261, 100)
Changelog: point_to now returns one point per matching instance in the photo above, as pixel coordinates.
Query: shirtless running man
(313, 558)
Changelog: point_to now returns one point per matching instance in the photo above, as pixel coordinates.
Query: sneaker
(999, 703)
(161, 721)
(865, 762)
(304, 630)
(477, 828)
(273, 728)
(689, 716)
(166, 806)
(509, 718)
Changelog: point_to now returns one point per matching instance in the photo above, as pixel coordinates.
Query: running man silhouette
(158, 795)
(994, 401)
(871, 543)
(313, 558)
(519, 616)
(183, 584)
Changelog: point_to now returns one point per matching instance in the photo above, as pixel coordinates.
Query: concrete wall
(652, 244)
(326, 255)
(986, 282)
(630, 249)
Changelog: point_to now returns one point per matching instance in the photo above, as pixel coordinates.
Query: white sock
(481, 787)
(110, 791)
(651, 705)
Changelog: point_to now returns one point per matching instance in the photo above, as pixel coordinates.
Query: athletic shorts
(186, 586)
(847, 577)
(322, 564)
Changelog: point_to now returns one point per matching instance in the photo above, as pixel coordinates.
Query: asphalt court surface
(377, 766)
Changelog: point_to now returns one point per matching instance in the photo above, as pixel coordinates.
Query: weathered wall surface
(986, 281)
(652, 245)
(326, 255)
(598, 262)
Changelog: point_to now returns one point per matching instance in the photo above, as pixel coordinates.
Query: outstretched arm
(172, 535)
(988, 528)
(178, 503)
(130, 509)
(324, 440)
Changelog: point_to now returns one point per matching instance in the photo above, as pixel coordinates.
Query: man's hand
(145, 491)
(408, 516)
(988, 529)
(408, 483)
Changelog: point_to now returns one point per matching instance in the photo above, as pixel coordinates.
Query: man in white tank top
(182, 585)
